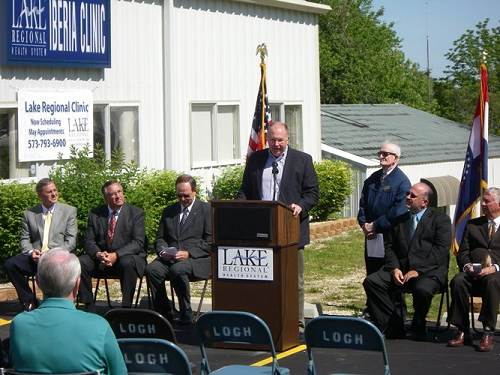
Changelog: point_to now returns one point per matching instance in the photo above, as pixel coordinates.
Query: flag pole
(262, 51)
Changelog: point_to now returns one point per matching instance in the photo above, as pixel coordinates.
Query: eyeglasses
(386, 154)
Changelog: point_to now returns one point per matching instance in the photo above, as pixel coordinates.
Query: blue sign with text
(59, 32)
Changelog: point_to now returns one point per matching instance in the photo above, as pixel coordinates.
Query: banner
(58, 32)
(50, 122)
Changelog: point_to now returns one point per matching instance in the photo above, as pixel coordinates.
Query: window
(9, 166)
(214, 134)
(117, 127)
(291, 114)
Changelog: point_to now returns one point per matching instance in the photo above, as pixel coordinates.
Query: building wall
(135, 76)
(211, 47)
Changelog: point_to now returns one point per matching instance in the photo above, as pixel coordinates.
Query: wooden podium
(250, 238)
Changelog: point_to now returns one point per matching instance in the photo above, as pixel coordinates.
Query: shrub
(228, 183)
(334, 178)
(80, 179)
(15, 198)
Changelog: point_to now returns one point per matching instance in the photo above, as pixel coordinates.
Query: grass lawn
(334, 272)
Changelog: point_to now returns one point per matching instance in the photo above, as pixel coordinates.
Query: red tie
(111, 226)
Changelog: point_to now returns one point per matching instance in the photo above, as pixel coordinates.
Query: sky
(445, 21)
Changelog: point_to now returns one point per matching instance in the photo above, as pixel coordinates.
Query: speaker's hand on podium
(296, 209)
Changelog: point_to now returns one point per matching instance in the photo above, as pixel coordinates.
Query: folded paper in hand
(168, 252)
(375, 247)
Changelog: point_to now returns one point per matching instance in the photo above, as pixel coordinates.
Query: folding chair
(343, 332)
(12, 372)
(151, 356)
(139, 323)
(239, 327)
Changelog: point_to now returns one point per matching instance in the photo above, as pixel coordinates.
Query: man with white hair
(382, 200)
(478, 259)
(56, 337)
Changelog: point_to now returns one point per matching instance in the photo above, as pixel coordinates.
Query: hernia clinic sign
(50, 122)
(58, 32)
(248, 263)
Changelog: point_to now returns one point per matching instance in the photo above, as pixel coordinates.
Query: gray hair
(58, 272)
(495, 192)
(394, 147)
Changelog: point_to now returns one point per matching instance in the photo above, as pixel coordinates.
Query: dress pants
(125, 269)
(179, 274)
(18, 268)
(383, 293)
(488, 287)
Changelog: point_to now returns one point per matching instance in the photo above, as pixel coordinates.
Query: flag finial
(262, 50)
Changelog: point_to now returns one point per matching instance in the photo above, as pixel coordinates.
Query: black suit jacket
(129, 233)
(195, 235)
(299, 184)
(475, 244)
(428, 250)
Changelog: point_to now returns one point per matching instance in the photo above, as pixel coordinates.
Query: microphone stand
(275, 173)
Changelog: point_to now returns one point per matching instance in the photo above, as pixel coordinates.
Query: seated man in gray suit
(182, 244)
(114, 245)
(44, 226)
(416, 261)
(57, 338)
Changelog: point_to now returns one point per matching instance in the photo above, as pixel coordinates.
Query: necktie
(111, 226)
(491, 229)
(46, 230)
(414, 223)
(185, 213)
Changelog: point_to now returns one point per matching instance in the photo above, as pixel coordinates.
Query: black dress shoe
(184, 320)
(30, 306)
(486, 343)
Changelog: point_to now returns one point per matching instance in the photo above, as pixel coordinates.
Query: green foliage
(457, 93)
(228, 183)
(14, 200)
(334, 178)
(361, 59)
(80, 178)
(154, 192)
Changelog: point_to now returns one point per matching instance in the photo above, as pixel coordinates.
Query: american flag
(475, 172)
(261, 116)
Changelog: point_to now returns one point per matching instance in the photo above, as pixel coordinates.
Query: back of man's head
(58, 272)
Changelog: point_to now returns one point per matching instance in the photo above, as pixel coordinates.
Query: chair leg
(200, 304)
(472, 314)
(96, 289)
(438, 321)
(138, 292)
(107, 292)
(172, 295)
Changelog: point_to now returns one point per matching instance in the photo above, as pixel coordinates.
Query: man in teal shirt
(56, 337)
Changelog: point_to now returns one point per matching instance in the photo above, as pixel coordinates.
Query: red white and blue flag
(475, 172)
(261, 117)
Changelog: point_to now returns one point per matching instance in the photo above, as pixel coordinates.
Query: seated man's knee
(179, 270)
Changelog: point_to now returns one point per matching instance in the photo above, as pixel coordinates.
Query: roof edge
(298, 5)
(348, 156)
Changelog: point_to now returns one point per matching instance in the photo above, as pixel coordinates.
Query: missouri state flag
(475, 173)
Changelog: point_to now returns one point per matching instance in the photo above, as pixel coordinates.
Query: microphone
(274, 172)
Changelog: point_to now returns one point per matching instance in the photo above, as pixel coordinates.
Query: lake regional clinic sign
(58, 32)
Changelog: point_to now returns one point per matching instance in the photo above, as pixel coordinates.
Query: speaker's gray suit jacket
(63, 228)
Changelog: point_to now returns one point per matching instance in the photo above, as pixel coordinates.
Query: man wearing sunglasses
(182, 244)
(416, 261)
(382, 201)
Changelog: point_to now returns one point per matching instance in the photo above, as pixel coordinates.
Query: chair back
(151, 356)
(237, 327)
(343, 332)
(140, 323)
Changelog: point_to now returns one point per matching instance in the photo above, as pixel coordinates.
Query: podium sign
(255, 264)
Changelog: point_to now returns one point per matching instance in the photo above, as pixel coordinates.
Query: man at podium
(283, 174)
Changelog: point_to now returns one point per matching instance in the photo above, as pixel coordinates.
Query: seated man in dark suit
(114, 244)
(57, 338)
(182, 244)
(478, 259)
(48, 225)
(416, 260)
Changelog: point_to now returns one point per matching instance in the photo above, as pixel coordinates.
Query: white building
(182, 83)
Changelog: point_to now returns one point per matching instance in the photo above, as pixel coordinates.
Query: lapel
(287, 170)
(176, 219)
(39, 221)
(421, 224)
(191, 216)
(56, 218)
(261, 162)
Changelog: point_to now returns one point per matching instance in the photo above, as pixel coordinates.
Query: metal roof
(360, 129)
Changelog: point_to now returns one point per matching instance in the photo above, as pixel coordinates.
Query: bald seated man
(416, 261)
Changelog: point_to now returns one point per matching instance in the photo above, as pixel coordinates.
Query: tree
(361, 59)
(457, 93)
